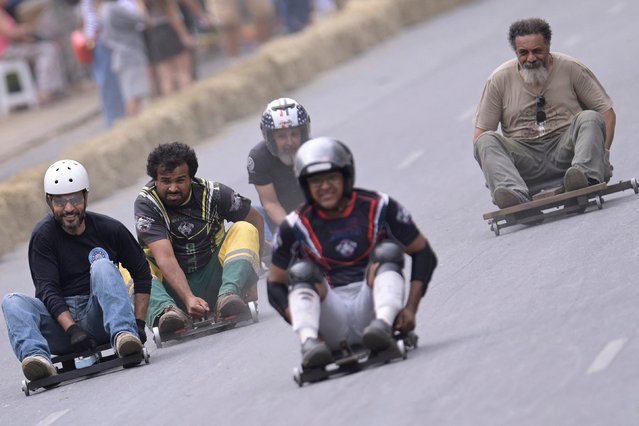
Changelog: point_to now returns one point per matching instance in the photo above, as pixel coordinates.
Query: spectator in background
(106, 80)
(295, 14)
(55, 20)
(123, 23)
(168, 43)
(231, 21)
(18, 41)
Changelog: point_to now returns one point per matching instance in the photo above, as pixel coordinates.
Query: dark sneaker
(378, 336)
(575, 179)
(127, 344)
(506, 197)
(173, 320)
(36, 367)
(230, 305)
(315, 353)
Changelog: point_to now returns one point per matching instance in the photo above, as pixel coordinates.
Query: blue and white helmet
(283, 113)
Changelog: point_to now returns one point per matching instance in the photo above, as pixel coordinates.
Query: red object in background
(82, 47)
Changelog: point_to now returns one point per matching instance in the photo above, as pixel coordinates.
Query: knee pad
(304, 274)
(390, 257)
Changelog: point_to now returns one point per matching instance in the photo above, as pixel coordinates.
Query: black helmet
(283, 113)
(320, 155)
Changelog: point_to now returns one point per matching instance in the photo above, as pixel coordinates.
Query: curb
(118, 156)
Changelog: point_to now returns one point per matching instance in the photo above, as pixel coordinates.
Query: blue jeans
(105, 312)
(268, 225)
(108, 84)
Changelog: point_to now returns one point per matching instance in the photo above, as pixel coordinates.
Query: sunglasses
(540, 102)
(75, 200)
(318, 180)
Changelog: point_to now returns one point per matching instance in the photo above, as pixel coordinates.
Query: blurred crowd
(133, 51)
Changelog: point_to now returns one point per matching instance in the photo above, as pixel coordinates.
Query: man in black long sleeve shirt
(81, 299)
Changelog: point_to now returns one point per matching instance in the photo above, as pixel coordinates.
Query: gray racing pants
(527, 166)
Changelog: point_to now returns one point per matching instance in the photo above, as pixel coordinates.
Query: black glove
(81, 341)
(141, 330)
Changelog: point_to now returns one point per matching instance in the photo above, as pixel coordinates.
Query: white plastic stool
(27, 94)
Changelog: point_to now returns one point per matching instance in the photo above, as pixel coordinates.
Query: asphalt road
(536, 326)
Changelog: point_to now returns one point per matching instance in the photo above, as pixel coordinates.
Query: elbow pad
(278, 296)
(423, 265)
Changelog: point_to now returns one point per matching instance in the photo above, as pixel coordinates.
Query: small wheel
(297, 376)
(402, 348)
(145, 353)
(599, 202)
(25, 388)
(633, 182)
(495, 228)
(254, 311)
(156, 337)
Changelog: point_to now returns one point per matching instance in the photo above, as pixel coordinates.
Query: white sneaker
(36, 367)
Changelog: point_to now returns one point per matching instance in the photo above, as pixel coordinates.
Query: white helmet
(65, 177)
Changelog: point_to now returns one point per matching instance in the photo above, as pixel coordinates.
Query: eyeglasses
(75, 200)
(540, 102)
(319, 179)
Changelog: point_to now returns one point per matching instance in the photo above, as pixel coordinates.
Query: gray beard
(535, 76)
(287, 159)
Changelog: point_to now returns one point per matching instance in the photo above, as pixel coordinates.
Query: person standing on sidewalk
(81, 299)
(107, 81)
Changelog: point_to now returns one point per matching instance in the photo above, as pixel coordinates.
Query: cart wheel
(495, 228)
(633, 182)
(25, 388)
(402, 348)
(297, 376)
(156, 337)
(599, 202)
(145, 353)
(254, 311)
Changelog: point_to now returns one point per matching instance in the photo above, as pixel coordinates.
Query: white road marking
(410, 159)
(53, 417)
(606, 356)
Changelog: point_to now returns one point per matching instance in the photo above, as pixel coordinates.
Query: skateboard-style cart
(106, 359)
(207, 326)
(555, 202)
(353, 359)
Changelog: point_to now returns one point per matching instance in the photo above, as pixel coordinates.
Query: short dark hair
(529, 26)
(169, 156)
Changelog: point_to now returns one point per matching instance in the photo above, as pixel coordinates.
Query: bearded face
(534, 73)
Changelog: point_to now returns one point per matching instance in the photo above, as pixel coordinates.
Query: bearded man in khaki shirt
(557, 122)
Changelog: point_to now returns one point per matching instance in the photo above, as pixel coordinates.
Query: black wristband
(423, 265)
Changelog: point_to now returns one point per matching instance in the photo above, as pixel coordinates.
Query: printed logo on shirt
(97, 253)
(236, 202)
(250, 165)
(403, 215)
(346, 247)
(143, 223)
(186, 228)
